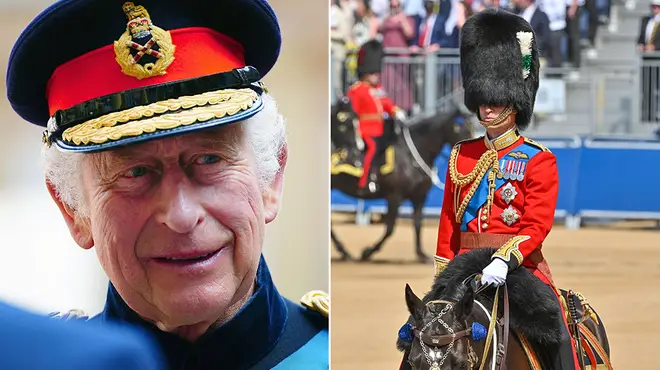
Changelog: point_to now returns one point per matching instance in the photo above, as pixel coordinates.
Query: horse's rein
(493, 321)
(491, 328)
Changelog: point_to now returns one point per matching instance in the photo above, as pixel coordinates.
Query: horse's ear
(415, 305)
(464, 306)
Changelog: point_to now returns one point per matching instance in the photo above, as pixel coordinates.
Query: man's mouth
(194, 258)
(185, 258)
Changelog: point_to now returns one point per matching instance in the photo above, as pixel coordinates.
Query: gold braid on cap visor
(163, 115)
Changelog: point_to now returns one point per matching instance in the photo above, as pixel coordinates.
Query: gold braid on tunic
(488, 160)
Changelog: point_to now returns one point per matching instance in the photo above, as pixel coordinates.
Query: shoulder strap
(536, 144)
(469, 140)
(505, 328)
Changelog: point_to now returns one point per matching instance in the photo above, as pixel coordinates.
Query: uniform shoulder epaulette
(467, 141)
(464, 141)
(74, 314)
(318, 301)
(537, 145)
(355, 84)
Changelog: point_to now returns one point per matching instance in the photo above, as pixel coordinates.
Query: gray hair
(266, 134)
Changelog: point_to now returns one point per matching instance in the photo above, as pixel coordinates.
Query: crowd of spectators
(563, 28)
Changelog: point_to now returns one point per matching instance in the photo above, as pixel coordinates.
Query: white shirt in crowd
(556, 11)
(649, 27)
(414, 7)
(380, 8)
(528, 13)
(570, 2)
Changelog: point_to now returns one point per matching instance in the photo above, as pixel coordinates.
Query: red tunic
(523, 205)
(522, 210)
(369, 103)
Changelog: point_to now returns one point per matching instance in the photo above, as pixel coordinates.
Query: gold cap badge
(143, 50)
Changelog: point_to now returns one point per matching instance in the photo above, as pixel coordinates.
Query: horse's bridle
(436, 341)
(449, 339)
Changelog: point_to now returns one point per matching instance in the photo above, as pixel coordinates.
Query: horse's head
(343, 123)
(441, 331)
(447, 127)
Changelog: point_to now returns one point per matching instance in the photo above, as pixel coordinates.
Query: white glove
(359, 142)
(400, 115)
(495, 273)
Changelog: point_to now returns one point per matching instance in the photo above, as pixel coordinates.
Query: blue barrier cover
(610, 174)
(567, 151)
(342, 202)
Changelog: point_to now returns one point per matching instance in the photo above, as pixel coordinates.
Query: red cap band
(199, 52)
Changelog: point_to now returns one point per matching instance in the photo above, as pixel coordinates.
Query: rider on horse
(501, 189)
(370, 101)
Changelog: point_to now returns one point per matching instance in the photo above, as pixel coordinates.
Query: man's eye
(137, 172)
(207, 159)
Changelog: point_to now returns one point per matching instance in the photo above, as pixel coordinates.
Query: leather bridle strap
(441, 340)
(491, 329)
(505, 329)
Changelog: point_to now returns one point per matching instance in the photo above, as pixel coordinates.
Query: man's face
(655, 9)
(522, 4)
(178, 223)
(373, 78)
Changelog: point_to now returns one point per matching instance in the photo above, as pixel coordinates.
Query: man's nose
(180, 208)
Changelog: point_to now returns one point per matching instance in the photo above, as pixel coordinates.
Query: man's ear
(272, 194)
(78, 226)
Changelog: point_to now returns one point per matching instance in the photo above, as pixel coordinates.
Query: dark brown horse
(529, 307)
(407, 181)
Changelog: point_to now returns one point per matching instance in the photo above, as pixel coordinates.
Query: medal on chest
(512, 170)
(510, 215)
(508, 193)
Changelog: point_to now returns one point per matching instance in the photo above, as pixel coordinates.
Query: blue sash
(312, 356)
(513, 167)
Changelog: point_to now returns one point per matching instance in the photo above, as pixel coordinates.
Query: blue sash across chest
(312, 356)
(513, 167)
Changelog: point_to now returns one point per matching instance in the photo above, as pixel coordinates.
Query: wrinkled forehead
(224, 138)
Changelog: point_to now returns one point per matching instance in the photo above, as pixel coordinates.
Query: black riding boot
(372, 187)
(559, 356)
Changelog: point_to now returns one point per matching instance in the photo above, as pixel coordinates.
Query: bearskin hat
(500, 63)
(370, 57)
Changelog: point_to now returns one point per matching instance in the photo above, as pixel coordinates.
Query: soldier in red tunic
(501, 189)
(370, 102)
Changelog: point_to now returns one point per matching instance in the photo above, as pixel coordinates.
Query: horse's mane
(533, 306)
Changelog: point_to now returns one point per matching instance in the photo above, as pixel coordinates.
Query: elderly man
(165, 153)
